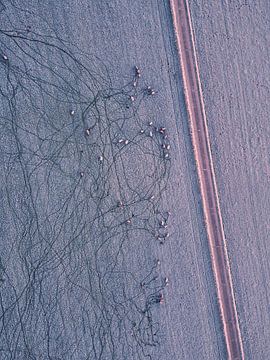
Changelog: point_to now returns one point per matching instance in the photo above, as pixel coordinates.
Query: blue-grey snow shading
(103, 249)
(232, 39)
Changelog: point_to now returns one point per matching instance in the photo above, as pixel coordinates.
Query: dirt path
(202, 153)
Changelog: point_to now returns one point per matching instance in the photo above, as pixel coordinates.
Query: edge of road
(206, 175)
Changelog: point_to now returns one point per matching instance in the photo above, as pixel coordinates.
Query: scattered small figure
(162, 130)
(162, 300)
(150, 123)
(128, 221)
(5, 57)
(137, 76)
(120, 204)
(162, 237)
(72, 112)
(81, 174)
(158, 262)
(166, 156)
(159, 298)
(151, 134)
(163, 224)
(150, 91)
(166, 281)
(87, 132)
(166, 146)
(137, 72)
(126, 142)
(132, 98)
(100, 158)
(120, 141)
(142, 131)
(168, 214)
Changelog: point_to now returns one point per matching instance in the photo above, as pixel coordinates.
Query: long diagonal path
(209, 193)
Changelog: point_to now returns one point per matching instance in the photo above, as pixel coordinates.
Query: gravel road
(104, 250)
(86, 194)
(232, 39)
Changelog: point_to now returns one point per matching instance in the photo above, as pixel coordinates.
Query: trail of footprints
(84, 178)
